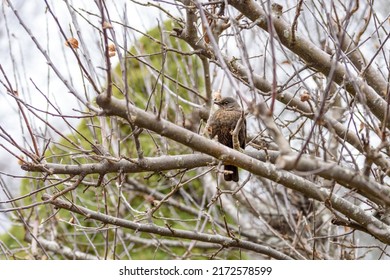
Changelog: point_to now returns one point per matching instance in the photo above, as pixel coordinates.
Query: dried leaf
(21, 160)
(361, 127)
(107, 25)
(217, 96)
(111, 48)
(72, 42)
(305, 96)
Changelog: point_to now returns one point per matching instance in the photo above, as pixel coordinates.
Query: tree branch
(125, 165)
(169, 232)
(315, 57)
(229, 156)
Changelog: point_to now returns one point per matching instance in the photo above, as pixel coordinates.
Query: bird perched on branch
(222, 124)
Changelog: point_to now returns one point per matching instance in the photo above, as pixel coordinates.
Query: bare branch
(163, 231)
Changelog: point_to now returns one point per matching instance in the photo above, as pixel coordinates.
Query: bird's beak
(217, 102)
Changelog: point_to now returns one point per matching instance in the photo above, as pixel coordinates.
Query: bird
(222, 124)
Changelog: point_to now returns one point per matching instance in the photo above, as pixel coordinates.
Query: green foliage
(154, 55)
(14, 240)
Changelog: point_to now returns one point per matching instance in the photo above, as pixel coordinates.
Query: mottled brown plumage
(222, 124)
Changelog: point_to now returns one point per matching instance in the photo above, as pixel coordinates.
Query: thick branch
(372, 76)
(170, 232)
(296, 104)
(125, 165)
(314, 56)
(227, 155)
(147, 120)
(328, 170)
(60, 249)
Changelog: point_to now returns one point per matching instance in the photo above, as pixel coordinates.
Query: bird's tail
(231, 173)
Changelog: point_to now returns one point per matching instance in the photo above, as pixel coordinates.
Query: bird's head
(228, 103)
